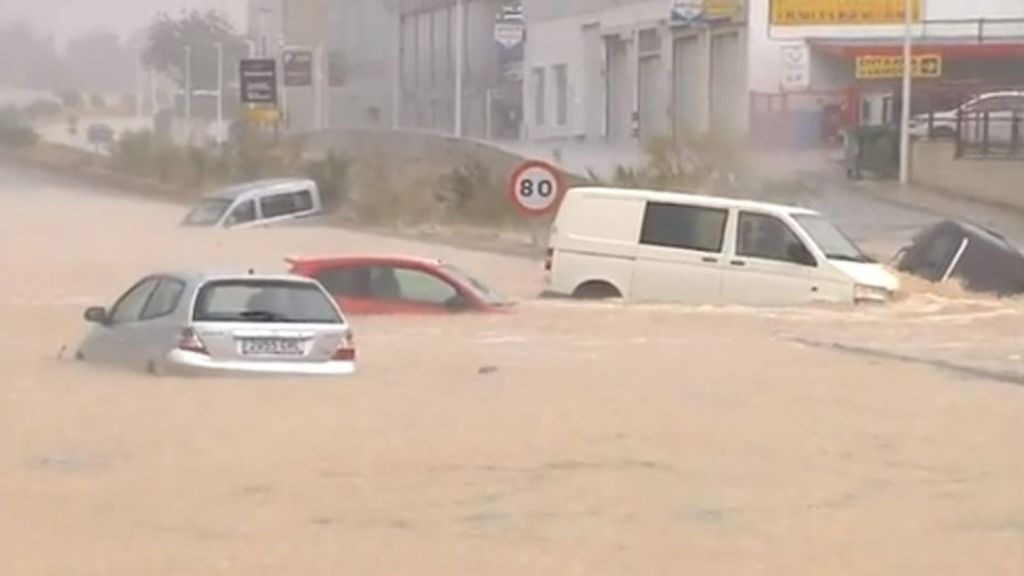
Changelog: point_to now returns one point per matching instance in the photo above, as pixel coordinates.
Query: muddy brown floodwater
(563, 439)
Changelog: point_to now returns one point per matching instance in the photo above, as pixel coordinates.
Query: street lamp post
(220, 92)
(908, 19)
(460, 56)
(188, 87)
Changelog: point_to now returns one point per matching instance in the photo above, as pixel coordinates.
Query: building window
(561, 74)
(539, 98)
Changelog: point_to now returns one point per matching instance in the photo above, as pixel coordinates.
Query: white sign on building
(796, 68)
(509, 34)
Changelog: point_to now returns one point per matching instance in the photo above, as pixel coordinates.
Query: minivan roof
(689, 198)
(270, 185)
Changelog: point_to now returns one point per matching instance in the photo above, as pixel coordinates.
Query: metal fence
(990, 134)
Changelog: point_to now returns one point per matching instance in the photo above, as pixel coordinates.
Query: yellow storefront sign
(840, 12)
(715, 9)
(262, 115)
(877, 67)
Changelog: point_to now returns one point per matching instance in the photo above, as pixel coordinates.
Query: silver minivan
(259, 203)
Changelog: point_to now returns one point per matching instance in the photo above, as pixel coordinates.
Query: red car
(398, 285)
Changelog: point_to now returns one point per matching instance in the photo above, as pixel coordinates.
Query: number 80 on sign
(535, 188)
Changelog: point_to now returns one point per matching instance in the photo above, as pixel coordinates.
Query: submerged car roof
(201, 276)
(270, 185)
(691, 198)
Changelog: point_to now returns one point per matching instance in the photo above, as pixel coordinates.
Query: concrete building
(428, 54)
(629, 70)
(360, 63)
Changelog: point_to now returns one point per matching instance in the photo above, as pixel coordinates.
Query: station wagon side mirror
(97, 315)
(799, 253)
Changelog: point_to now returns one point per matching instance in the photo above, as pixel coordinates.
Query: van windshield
(208, 212)
(833, 242)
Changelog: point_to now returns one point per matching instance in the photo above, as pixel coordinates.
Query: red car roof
(361, 259)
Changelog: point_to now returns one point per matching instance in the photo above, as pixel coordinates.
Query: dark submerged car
(982, 260)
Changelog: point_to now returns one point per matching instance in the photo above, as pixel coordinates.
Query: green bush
(472, 193)
(331, 175)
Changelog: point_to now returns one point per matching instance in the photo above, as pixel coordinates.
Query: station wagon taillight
(549, 259)
(346, 351)
(189, 341)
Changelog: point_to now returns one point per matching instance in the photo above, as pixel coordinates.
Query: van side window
(686, 227)
(287, 203)
(767, 237)
(243, 213)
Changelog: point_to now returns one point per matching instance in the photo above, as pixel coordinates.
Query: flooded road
(562, 439)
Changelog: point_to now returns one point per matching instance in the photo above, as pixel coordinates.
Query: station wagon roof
(689, 198)
(194, 277)
(271, 185)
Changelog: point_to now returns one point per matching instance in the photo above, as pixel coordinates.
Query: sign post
(297, 66)
(258, 81)
(535, 188)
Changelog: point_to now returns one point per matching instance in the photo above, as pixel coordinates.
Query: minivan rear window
(264, 301)
(686, 227)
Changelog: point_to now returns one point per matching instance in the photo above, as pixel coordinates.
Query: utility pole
(188, 89)
(908, 20)
(220, 92)
(460, 61)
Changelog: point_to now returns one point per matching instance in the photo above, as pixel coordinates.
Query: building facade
(622, 71)
(851, 73)
(428, 58)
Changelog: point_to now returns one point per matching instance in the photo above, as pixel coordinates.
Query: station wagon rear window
(264, 301)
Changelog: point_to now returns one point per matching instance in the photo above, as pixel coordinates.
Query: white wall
(555, 37)
(765, 52)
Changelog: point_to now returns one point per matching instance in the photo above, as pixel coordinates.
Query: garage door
(726, 85)
(687, 85)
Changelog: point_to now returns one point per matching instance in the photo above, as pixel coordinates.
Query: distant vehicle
(982, 260)
(233, 324)
(399, 285)
(260, 203)
(1004, 110)
(100, 134)
(670, 247)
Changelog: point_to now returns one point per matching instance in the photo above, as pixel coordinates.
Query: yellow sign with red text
(873, 67)
(840, 12)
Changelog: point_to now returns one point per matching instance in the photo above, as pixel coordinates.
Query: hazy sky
(66, 18)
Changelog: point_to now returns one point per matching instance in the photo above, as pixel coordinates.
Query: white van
(670, 247)
(259, 203)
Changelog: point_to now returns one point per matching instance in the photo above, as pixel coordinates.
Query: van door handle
(709, 260)
(738, 263)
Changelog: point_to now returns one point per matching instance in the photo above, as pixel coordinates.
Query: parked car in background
(101, 135)
(260, 203)
(364, 284)
(980, 259)
(995, 116)
(671, 247)
(196, 323)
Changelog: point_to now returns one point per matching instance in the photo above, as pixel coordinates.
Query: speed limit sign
(535, 187)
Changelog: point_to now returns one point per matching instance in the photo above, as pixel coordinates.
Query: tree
(167, 39)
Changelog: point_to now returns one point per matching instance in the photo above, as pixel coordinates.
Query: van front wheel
(596, 291)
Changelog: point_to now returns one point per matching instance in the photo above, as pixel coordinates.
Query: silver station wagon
(232, 324)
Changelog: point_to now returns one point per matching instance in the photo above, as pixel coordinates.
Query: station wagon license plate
(272, 347)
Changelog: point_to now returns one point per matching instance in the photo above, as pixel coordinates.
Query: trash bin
(874, 150)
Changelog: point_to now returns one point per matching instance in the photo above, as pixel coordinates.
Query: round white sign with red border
(536, 187)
